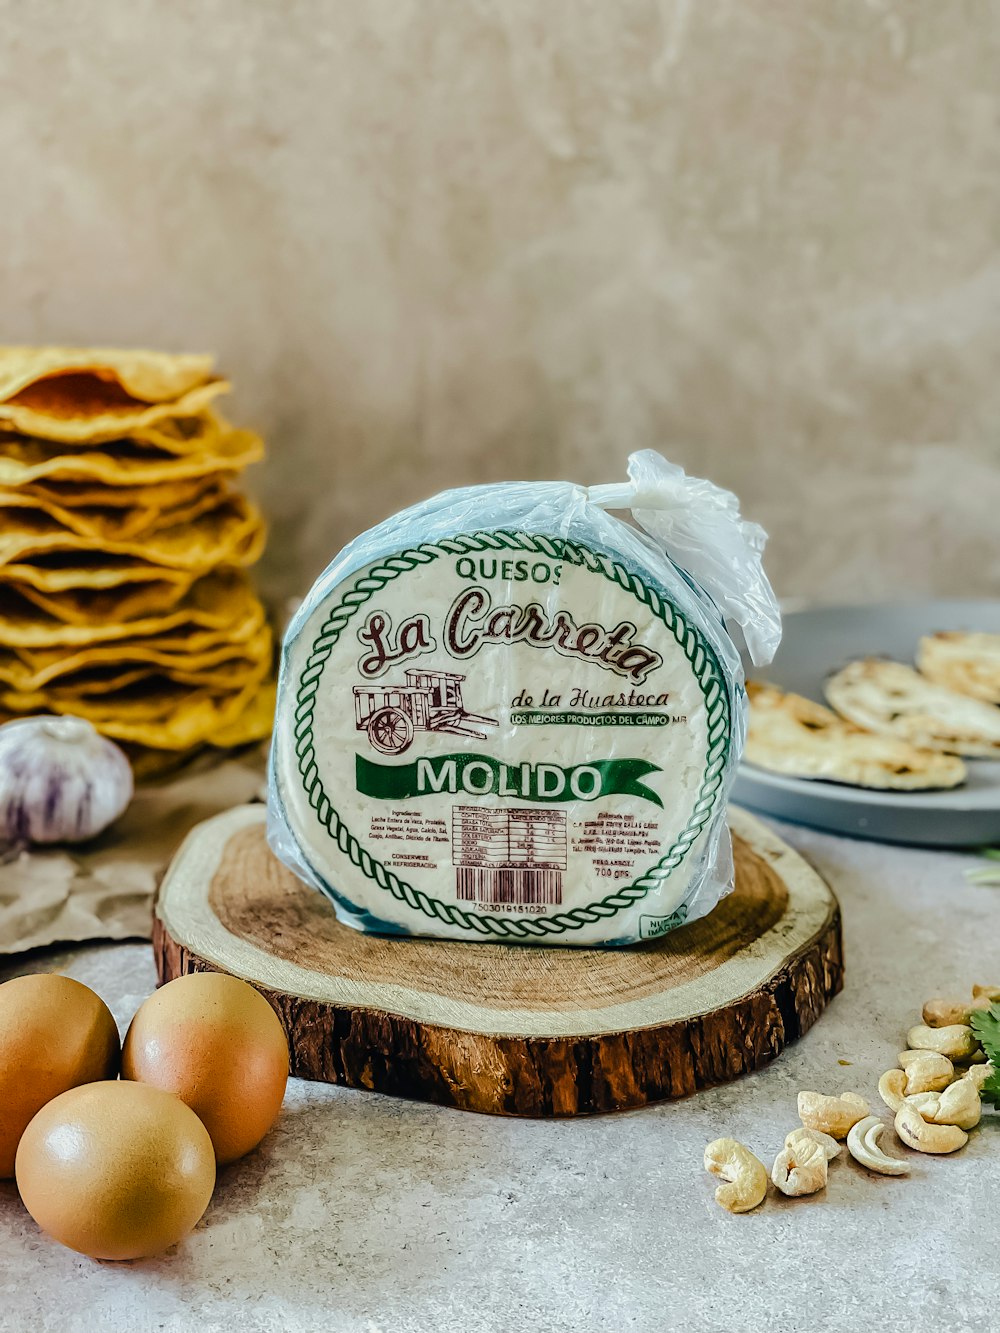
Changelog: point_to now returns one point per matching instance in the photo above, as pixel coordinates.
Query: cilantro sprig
(986, 1026)
(988, 875)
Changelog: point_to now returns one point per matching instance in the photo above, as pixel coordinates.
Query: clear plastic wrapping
(508, 715)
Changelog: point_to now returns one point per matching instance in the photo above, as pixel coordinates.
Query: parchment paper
(104, 890)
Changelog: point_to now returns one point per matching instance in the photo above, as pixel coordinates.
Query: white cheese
(506, 716)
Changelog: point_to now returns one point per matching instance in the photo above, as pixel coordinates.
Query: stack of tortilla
(124, 546)
(895, 726)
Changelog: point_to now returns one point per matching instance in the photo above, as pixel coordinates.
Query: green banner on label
(481, 775)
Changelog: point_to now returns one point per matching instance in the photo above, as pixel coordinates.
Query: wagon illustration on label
(429, 701)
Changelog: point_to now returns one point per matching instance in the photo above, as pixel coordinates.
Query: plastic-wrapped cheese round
(505, 715)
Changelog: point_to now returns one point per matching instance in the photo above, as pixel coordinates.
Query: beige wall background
(438, 242)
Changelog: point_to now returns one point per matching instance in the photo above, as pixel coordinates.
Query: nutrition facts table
(481, 837)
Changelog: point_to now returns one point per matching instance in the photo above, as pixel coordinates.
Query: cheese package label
(505, 716)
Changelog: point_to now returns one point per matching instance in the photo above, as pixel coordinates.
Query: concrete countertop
(362, 1213)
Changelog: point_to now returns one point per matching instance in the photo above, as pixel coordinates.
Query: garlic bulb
(60, 780)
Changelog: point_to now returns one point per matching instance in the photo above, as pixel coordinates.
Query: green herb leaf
(986, 876)
(986, 1026)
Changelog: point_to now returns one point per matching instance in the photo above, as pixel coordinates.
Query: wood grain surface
(501, 1028)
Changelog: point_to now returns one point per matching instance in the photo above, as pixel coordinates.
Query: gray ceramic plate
(820, 640)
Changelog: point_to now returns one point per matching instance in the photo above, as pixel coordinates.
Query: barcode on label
(494, 884)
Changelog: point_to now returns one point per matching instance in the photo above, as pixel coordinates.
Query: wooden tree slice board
(509, 1029)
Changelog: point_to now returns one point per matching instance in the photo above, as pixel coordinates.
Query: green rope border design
(699, 654)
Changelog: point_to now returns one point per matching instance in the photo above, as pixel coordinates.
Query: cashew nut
(925, 1136)
(892, 1088)
(957, 1041)
(926, 1071)
(976, 1075)
(863, 1145)
(744, 1175)
(801, 1168)
(942, 1013)
(988, 993)
(832, 1115)
(826, 1141)
(959, 1105)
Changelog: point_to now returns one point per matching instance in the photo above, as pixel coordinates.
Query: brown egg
(55, 1033)
(116, 1170)
(217, 1044)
